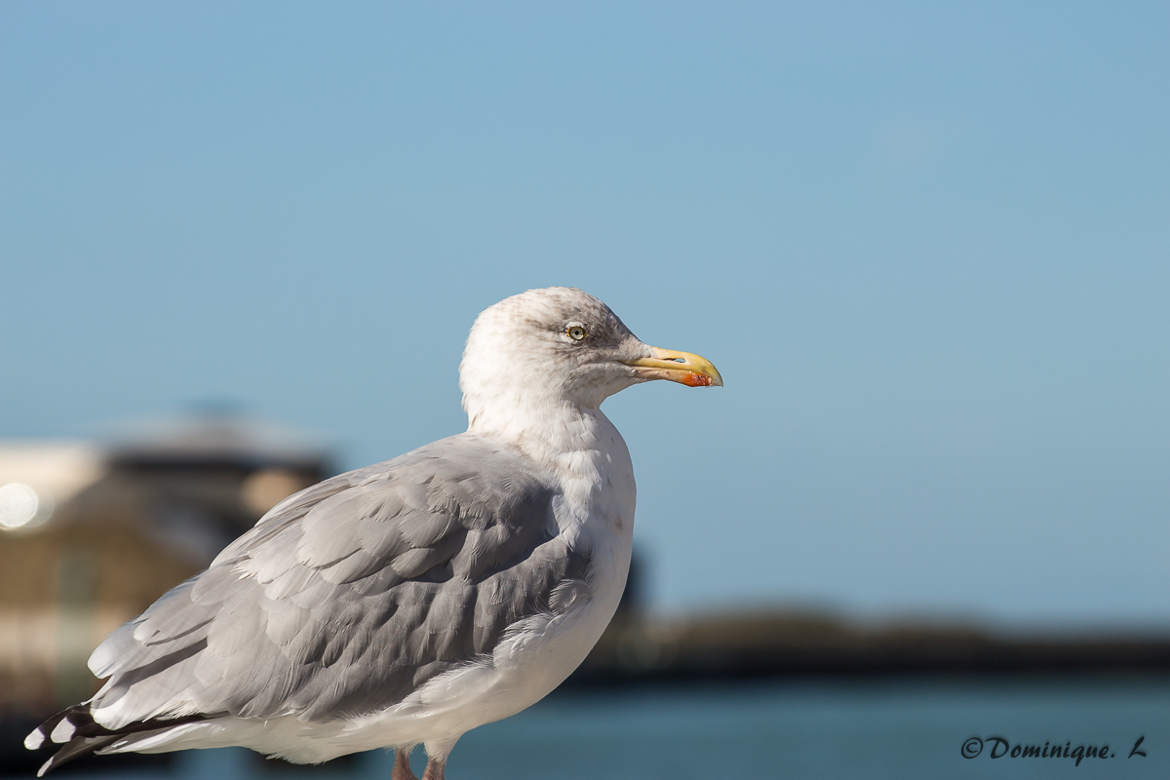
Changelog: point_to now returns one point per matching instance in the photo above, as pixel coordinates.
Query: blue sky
(926, 244)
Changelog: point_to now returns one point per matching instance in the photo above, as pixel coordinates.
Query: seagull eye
(575, 332)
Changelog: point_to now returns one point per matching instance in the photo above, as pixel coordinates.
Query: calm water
(889, 729)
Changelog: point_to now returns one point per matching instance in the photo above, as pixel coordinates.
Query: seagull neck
(544, 431)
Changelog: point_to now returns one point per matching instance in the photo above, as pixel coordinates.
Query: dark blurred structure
(775, 642)
(91, 535)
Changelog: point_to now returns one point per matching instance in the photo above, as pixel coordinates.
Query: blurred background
(926, 244)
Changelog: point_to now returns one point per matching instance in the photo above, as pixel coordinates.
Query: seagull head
(561, 345)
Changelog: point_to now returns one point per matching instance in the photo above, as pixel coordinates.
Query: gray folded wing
(349, 595)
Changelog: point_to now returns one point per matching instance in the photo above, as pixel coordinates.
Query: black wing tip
(74, 748)
(72, 717)
(74, 729)
(82, 735)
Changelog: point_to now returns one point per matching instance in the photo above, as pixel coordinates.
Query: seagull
(413, 600)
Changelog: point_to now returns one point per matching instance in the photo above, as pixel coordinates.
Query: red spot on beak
(696, 380)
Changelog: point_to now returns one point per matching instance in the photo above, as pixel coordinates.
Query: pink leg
(402, 765)
(434, 770)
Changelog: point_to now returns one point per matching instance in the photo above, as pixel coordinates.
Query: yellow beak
(683, 367)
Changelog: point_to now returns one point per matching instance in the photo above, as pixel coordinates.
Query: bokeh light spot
(18, 505)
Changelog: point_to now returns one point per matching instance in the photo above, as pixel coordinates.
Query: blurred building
(91, 534)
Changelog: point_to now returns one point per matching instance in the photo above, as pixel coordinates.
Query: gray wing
(348, 595)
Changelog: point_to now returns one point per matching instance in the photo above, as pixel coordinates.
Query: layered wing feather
(349, 595)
